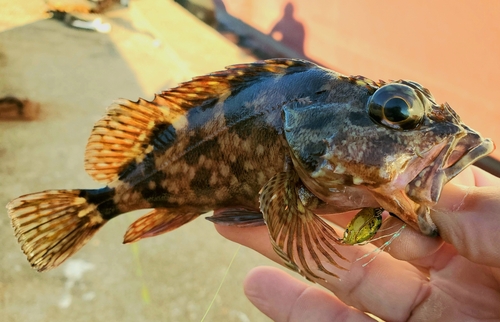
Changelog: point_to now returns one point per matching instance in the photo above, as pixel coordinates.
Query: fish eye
(396, 106)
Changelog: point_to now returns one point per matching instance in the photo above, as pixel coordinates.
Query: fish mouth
(455, 156)
(461, 157)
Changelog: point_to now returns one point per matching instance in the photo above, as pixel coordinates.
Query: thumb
(284, 298)
(469, 218)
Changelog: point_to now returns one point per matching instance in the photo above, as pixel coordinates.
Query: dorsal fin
(123, 135)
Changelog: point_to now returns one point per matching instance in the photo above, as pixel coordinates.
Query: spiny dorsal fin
(123, 135)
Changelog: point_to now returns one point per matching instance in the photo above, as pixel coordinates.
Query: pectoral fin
(295, 230)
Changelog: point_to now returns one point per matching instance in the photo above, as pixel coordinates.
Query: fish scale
(272, 142)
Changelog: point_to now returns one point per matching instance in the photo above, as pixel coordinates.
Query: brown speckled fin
(121, 136)
(295, 230)
(124, 134)
(239, 217)
(156, 222)
(52, 225)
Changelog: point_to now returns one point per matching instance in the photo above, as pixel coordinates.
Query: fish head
(392, 147)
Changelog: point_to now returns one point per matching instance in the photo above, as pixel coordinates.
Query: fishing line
(146, 298)
(376, 251)
(383, 236)
(220, 285)
(388, 228)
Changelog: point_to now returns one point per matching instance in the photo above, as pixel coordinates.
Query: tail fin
(52, 225)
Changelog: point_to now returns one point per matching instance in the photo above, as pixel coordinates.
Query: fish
(276, 142)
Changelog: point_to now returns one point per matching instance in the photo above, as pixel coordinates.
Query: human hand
(419, 278)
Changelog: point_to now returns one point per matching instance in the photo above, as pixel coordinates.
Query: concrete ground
(74, 75)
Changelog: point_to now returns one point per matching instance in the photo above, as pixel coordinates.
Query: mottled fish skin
(225, 150)
(279, 140)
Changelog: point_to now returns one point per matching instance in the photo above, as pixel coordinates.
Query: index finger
(468, 217)
(388, 288)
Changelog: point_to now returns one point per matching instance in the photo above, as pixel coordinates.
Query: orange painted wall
(450, 47)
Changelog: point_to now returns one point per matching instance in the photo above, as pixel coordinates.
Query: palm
(441, 286)
(470, 290)
(419, 278)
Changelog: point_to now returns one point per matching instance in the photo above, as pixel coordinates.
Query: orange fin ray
(125, 133)
(122, 136)
(52, 225)
(300, 237)
(156, 222)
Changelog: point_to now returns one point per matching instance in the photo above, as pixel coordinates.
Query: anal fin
(156, 222)
(295, 230)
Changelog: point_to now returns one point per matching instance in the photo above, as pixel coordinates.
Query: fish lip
(476, 152)
(458, 154)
